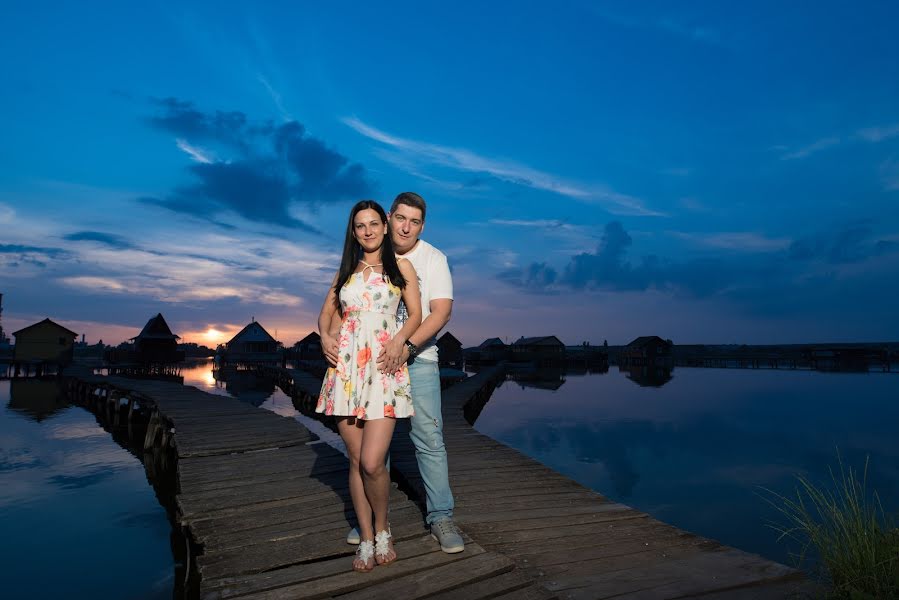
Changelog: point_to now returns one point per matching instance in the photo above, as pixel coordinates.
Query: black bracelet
(413, 349)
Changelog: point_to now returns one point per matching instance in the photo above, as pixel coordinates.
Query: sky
(708, 172)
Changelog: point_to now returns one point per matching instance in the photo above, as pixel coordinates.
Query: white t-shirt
(434, 282)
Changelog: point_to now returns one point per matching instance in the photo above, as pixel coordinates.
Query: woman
(367, 290)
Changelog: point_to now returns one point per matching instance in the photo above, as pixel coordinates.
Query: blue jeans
(427, 436)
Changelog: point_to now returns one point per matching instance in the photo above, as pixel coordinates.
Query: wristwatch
(413, 349)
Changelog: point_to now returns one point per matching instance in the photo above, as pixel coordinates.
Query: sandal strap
(366, 550)
(382, 543)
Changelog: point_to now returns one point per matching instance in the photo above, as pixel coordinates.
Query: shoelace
(446, 526)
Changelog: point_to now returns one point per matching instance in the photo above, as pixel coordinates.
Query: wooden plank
(503, 584)
(274, 555)
(699, 573)
(225, 539)
(230, 587)
(443, 578)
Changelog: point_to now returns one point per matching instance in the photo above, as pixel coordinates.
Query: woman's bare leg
(376, 437)
(352, 431)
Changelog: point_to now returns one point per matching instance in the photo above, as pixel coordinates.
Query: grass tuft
(856, 544)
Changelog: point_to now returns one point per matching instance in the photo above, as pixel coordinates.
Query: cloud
(746, 241)
(324, 174)
(276, 168)
(23, 249)
(701, 34)
(879, 133)
(24, 259)
(535, 223)
(183, 119)
(812, 148)
(7, 213)
(851, 243)
(773, 279)
(109, 239)
(537, 277)
(465, 160)
(677, 171)
(889, 174)
(607, 267)
(196, 153)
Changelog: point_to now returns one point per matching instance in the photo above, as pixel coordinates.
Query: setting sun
(214, 336)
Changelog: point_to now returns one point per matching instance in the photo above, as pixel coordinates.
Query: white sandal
(382, 544)
(365, 552)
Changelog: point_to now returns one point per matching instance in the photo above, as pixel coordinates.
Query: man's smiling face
(406, 226)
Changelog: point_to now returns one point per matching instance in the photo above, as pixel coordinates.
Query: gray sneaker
(446, 532)
(353, 537)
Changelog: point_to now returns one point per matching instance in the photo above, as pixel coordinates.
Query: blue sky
(698, 170)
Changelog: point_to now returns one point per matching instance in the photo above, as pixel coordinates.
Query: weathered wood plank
(282, 553)
(517, 581)
(443, 578)
(230, 587)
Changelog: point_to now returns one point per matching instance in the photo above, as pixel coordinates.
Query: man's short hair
(410, 199)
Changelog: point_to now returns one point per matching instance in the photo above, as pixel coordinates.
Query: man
(406, 220)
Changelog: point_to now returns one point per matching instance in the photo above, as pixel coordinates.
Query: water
(696, 450)
(77, 514)
(244, 385)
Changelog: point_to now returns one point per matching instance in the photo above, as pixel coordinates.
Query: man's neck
(411, 248)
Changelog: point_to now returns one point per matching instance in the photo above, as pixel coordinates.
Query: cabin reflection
(541, 379)
(245, 385)
(37, 399)
(648, 375)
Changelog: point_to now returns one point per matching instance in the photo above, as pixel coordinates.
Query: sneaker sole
(449, 549)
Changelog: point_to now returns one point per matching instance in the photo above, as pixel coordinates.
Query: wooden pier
(268, 504)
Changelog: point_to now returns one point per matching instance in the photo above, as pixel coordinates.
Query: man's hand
(331, 349)
(392, 356)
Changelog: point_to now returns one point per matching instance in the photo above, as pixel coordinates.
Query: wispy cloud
(195, 152)
(701, 34)
(7, 213)
(535, 223)
(275, 96)
(465, 160)
(677, 171)
(747, 241)
(889, 174)
(109, 239)
(879, 133)
(819, 145)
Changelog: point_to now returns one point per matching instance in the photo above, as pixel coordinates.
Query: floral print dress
(355, 387)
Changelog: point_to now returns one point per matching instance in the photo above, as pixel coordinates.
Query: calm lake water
(696, 451)
(78, 517)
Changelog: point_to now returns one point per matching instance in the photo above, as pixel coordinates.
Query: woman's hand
(392, 356)
(330, 349)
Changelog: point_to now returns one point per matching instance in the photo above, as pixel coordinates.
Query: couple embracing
(390, 298)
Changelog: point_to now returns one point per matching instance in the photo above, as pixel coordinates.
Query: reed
(855, 542)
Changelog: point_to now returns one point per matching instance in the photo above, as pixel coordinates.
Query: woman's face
(369, 229)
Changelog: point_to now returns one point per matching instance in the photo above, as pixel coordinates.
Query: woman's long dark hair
(352, 252)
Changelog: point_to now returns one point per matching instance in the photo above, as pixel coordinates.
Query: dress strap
(368, 266)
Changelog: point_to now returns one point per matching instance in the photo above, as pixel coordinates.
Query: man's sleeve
(440, 282)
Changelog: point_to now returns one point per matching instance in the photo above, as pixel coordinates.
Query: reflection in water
(38, 399)
(244, 385)
(648, 375)
(77, 500)
(696, 452)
